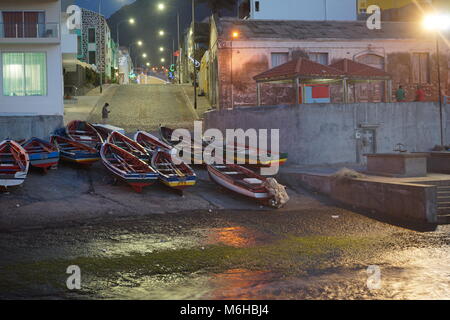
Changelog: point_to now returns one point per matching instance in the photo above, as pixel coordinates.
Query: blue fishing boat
(73, 151)
(41, 153)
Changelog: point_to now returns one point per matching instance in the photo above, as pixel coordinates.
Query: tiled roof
(302, 68)
(304, 30)
(359, 70)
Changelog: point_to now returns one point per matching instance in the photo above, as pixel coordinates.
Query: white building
(344, 10)
(31, 84)
(125, 65)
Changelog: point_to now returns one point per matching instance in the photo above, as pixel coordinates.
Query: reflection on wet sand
(238, 237)
(240, 284)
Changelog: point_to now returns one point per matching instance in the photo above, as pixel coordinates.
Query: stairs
(443, 203)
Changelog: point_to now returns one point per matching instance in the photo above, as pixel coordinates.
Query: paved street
(145, 107)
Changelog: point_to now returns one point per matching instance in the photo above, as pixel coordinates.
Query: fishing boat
(84, 132)
(150, 142)
(129, 145)
(175, 174)
(240, 180)
(14, 164)
(74, 151)
(42, 154)
(127, 167)
(241, 154)
(104, 130)
(189, 150)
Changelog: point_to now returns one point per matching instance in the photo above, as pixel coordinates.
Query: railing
(29, 30)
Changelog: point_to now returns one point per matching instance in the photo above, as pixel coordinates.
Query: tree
(217, 5)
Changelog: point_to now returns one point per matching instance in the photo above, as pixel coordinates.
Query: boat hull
(136, 180)
(80, 158)
(12, 180)
(177, 183)
(44, 160)
(235, 188)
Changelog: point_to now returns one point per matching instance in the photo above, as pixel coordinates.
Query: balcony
(30, 33)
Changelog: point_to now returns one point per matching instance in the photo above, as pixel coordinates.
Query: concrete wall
(316, 134)
(398, 201)
(25, 127)
(305, 10)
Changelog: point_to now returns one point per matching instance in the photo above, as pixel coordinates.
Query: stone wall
(25, 127)
(317, 134)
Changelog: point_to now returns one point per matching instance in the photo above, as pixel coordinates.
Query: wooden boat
(177, 175)
(74, 151)
(14, 164)
(129, 145)
(150, 142)
(188, 150)
(84, 132)
(240, 180)
(42, 154)
(104, 130)
(127, 167)
(241, 154)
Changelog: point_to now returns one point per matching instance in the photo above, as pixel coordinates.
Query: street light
(161, 6)
(130, 21)
(438, 23)
(161, 32)
(161, 49)
(163, 60)
(144, 55)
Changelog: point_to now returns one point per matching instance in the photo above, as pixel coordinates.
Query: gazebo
(302, 73)
(359, 72)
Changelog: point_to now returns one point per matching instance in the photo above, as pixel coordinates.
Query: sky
(108, 6)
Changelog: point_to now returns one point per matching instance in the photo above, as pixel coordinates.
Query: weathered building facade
(242, 49)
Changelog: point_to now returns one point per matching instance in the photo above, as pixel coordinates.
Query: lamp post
(131, 21)
(138, 43)
(438, 23)
(193, 53)
(101, 49)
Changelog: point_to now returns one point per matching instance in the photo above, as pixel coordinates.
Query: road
(145, 107)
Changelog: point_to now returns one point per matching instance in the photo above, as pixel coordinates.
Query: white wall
(305, 10)
(52, 103)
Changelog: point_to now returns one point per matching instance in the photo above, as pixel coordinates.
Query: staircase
(443, 202)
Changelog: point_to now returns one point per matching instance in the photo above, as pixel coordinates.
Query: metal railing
(29, 30)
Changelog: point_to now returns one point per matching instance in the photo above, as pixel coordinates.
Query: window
(79, 45)
(23, 24)
(24, 74)
(279, 58)
(319, 57)
(421, 68)
(92, 57)
(257, 6)
(91, 35)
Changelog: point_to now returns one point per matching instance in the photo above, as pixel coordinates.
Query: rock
(335, 217)
(17, 205)
(280, 196)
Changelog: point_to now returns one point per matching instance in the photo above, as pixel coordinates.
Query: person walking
(420, 94)
(105, 113)
(400, 94)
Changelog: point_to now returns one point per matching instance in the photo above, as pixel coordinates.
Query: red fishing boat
(14, 164)
(84, 132)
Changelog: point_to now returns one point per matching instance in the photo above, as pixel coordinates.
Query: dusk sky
(108, 6)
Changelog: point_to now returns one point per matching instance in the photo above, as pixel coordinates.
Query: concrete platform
(415, 199)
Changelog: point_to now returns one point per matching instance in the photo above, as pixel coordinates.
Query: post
(389, 91)
(344, 84)
(439, 88)
(297, 91)
(193, 40)
(231, 66)
(179, 48)
(258, 94)
(101, 49)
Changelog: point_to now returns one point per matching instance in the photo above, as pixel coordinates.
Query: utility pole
(101, 48)
(440, 88)
(179, 48)
(193, 58)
